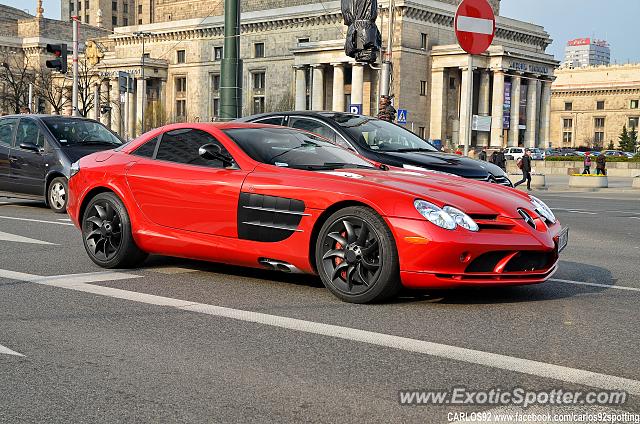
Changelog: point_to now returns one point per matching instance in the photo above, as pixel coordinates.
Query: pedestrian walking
(483, 154)
(587, 165)
(525, 165)
(501, 160)
(601, 164)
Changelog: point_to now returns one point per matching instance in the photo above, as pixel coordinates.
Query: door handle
(13, 159)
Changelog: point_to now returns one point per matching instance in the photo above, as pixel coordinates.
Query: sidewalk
(560, 183)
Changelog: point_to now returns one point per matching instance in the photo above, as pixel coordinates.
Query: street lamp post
(142, 34)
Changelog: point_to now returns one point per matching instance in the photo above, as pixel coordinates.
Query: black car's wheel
(106, 231)
(57, 194)
(356, 256)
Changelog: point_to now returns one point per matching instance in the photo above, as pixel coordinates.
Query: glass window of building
(217, 53)
(258, 50)
(568, 106)
(181, 56)
(600, 105)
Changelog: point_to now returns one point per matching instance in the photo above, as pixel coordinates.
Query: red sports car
(278, 198)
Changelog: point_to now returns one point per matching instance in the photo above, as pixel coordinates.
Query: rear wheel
(356, 256)
(106, 232)
(57, 195)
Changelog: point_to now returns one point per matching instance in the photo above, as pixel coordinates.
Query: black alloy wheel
(106, 232)
(356, 256)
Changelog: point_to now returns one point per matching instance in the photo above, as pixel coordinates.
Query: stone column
(438, 122)
(116, 105)
(545, 115)
(317, 93)
(104, 99)
(484, 105)
(464, 108)
(96, 102)
(497, 110)
(301, 88)
(357, 84)
(514, 132)
(162, 95)
(141, 104)
(338, 87)
(531, 136)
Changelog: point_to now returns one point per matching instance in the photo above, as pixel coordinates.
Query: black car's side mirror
(214, 152)
(30, 146)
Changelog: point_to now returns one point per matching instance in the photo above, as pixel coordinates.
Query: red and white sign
(475, 25)
(579, 42)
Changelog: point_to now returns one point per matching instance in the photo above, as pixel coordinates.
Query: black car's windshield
(290, 148)
(74, 131)
(381, 135)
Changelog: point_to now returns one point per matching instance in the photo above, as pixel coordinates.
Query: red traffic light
(59, 51)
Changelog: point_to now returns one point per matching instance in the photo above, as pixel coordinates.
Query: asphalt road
(225, 344)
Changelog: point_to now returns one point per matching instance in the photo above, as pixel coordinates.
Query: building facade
(590, 106)
(583, 52)
(101, 13)
(293, 55)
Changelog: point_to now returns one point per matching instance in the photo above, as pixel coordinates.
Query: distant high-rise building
(113, 13)
(583, 52)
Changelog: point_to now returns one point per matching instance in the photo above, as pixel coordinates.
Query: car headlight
(543, 209)
(75, 168)
(462, 219)
(435, 215)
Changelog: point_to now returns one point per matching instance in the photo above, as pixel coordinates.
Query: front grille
(525, 261)
(501, 180)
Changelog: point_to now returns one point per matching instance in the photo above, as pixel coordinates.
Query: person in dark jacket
(526, 170)
(601, 164)
(500, 160)
(483, 154)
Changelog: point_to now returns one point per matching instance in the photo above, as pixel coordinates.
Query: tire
(358, 266)
(106, 233)
(57, 194)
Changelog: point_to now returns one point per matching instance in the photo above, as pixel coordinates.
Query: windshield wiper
(417, 149)
(330, 166)
(87, 142)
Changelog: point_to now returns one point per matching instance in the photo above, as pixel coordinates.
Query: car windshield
(290, 148)
(382, 135)
(73, 131)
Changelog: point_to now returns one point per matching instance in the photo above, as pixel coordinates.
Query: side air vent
(268, 218)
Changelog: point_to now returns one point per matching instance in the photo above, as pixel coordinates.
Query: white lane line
(608, 286)
(36, 220)
(526, 366)
(6, 351)
(64, 219)
(20, 239)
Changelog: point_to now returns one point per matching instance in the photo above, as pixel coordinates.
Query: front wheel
(356, 256)
(107, 236)
(57, 195)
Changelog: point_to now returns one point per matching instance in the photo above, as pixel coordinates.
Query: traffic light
(60, 51)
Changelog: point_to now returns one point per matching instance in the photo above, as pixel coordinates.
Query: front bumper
(504, 252)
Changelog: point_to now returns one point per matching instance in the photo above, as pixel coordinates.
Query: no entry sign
(475, 26)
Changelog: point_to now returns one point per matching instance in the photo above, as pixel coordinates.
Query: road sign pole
(126, 111)
(74, 92)
(469, 94)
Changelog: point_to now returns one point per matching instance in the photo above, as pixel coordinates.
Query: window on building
(215, 107)
(567, 137)
(125, 7)
(424, 41)
(72, 6)
(634, 104)
(258, 81)
(600, 105)
(567, 123)
(568, 106)
(598, 138)
(181, 56)
(146, 56)
(258, 50)
(423, 88)
(303, 40)
(421, 132)
(182, 146)
(599, 122)
(217, 53)
(125, 22)
(215, 82)
(79, 6)
(86, 5)
(86, 19)
(633, 122)
(139, 21)
(114, 20)
(114, 6)
(181, 85)
(181, 109)
(139, 9)
(258, 104)
(452, 83)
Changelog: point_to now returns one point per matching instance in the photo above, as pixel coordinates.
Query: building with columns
(293, 55)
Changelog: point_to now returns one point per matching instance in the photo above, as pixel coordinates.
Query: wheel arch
(47, 182)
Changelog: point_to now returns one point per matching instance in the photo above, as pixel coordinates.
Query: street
(186, 341)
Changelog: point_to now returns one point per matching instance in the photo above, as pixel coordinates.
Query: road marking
(77, 282)
(35, 220)
(7, 351)
(171, 270)
(64, 219)
(608, 286)
(20, 239)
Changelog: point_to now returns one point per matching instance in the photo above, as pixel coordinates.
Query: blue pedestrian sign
(356, 109)
(402, 116)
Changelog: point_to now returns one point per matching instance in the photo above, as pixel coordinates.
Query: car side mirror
(214, 152)
(30, 146)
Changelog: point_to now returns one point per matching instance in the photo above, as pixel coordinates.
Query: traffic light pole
(74, 93)
(385, 87)
(231, 67)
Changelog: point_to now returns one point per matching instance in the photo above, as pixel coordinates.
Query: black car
(36, 153)
(384, 142)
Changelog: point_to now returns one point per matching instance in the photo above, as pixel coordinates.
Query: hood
(470, 196)
(77, 151)
(444, 162)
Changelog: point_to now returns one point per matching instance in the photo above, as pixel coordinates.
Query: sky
(613, 20)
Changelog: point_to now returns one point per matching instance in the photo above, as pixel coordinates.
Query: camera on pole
(60, 52)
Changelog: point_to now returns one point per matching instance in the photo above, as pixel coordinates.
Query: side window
(7, 126)
(315, 127)
(29, 133)
(182, 146)
(274, 120)
(147, 149)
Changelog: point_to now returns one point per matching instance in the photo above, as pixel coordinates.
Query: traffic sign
(356, 109)
(475, 25)
(402, 116)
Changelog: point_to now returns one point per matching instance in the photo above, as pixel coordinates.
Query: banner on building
(506, 110)
(523, 106)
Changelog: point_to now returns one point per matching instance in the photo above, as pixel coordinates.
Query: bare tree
(87, 78)
(54, 89)
(15, 76)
